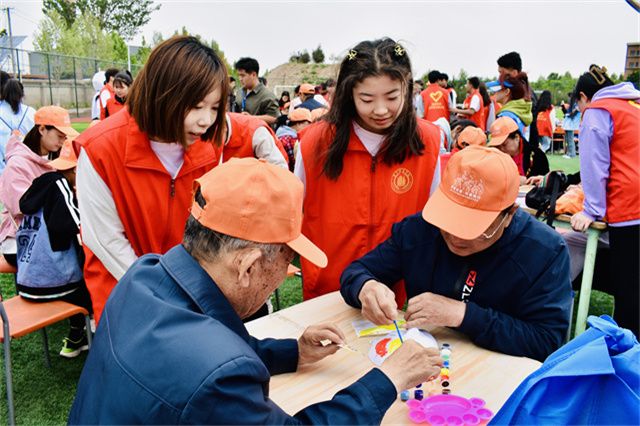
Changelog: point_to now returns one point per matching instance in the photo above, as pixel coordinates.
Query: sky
(551, 36)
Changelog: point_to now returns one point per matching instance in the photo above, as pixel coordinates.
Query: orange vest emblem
(436, 96)
(401, 180)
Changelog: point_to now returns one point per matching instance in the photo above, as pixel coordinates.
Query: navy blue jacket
(170, 349)
(518, 290)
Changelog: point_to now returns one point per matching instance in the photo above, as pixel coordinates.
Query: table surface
(475, 372)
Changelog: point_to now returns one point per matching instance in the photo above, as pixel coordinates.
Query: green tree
(305, 58)
(318, 55)
(634, 78)
(123, 17)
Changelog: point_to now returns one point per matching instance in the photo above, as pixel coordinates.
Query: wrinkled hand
(310, 347)
(433, 309)
(580, 222)
(378, 303)
(535, 180)
(412, 364)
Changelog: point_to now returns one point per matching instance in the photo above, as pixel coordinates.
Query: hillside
(290, 75)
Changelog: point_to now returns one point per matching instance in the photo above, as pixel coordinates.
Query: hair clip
(352, 54)
(399, 50)
(599, 74)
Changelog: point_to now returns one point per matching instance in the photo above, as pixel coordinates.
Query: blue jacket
(170, 349)
(518, 291)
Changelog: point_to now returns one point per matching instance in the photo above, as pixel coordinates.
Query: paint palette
(449, 410)
(381, 348)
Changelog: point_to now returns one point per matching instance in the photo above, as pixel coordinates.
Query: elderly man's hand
(433, 309)
(378, 303)
(580, 222)
(310, 344)
(412, 364)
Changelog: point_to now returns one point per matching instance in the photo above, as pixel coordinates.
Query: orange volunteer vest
(240, 144)
(348, 217)
(544, 123)
(623, 196)
(478, 117)
(436, 103)
(112, 107)
(152, 206)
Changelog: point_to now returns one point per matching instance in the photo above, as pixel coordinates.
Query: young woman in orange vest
(473, 105)
(121, 83)
(546, 122)
(136, 170)
(610, 173)
(367, 164)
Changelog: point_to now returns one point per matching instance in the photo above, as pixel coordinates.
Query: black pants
(625, 275)
(79, 297)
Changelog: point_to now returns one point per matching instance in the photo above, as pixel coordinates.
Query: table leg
(587, 279)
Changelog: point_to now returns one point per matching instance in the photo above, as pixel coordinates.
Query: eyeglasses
(488, 237)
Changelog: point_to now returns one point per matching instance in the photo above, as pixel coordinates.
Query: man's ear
(245, 262)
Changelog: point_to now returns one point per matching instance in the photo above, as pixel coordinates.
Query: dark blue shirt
(518, 291)
(170, 349)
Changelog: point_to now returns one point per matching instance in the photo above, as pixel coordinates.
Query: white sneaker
(567, 157)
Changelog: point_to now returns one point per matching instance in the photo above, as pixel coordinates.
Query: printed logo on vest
(401, 181)
(468, 186)
(436, 96)
(634, 104)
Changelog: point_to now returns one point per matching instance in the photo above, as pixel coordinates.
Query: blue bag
(594, 379)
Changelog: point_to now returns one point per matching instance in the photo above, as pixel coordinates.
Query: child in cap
(26, 160)
(288, 134)
(469, 136)
(507, 137)
(49, 255)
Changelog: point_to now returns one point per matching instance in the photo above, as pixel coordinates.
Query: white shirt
(102, 229)
(475, 103)
(263, 144)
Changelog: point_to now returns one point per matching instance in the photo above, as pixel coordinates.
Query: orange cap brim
(62, 164)
(305, 248)
(69, 131)
(497, 140)
(459, 221)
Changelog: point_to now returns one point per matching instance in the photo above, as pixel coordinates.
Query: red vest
(436, 103)
(478, 117)
(112, 107)
(152, 207)
(623, 187)
(350, 216)
(240, 144)
(544, 123)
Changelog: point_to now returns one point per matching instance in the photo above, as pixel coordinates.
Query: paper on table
(367, 328)
(383, 347)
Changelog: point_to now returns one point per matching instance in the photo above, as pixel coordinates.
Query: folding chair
(20, 317)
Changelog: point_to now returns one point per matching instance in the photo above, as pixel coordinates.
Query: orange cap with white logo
(477, 184)
(256, 201)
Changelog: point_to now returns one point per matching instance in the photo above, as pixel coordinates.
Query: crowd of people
(191, 194)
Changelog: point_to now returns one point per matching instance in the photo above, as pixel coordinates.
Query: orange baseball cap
(477, 184)
(300, 114)
(472, 136)
(501, 129)
(67, 158)
(307, 89)
(256, 201)
(57, 117)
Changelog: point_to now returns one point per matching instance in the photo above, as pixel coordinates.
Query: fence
(53, 79)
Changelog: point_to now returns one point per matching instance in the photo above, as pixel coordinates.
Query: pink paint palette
(450, 410)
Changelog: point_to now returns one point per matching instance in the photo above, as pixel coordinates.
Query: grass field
(43, 396)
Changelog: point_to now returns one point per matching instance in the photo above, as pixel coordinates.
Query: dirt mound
(290, 75)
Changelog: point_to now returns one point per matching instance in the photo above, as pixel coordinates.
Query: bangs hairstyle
(383, 57)
(179, 73)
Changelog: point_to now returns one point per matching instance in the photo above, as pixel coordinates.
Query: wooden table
(475, 372)
(593, 233)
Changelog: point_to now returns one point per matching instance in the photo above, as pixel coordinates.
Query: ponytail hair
(518, 85)
(592, 81)
(383, 57)
(13, 93)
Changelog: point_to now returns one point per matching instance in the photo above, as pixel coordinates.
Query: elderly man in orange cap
(171, 347)
(473, 261)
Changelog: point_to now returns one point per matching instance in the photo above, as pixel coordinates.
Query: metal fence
(53, 79)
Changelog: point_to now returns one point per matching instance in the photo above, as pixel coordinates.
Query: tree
(318, 55)
(123, 17)
(634, 78)
(305, 58)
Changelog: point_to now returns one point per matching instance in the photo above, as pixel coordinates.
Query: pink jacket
(23, 166)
